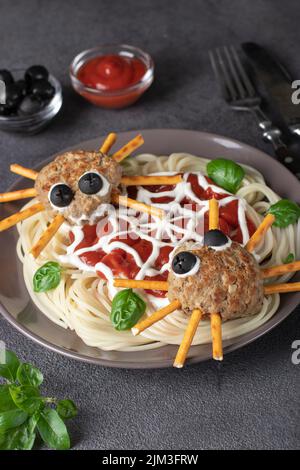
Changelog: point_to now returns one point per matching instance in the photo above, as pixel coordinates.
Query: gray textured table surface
(254, 401)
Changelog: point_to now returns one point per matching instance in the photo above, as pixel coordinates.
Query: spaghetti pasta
(82, 301)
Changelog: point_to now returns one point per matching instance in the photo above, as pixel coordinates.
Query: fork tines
(231, 74)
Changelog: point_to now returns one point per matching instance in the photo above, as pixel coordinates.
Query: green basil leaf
(33, 420)
(6, 402)
(286, 212)
(47, 277)
(226, 173)
(9, 365)
(66, 409)
(27, 374)
(12, 419)
(127, 309)
(21, 437)
(53, 430)
(26, 397)
(17, 439)
(289, 259)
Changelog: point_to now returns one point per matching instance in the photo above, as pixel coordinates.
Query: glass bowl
(37, 121)
(116, 98)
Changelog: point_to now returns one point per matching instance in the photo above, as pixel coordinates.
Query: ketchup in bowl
(112, 76)
(111, 72)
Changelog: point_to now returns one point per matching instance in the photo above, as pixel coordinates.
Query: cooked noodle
(82, 303)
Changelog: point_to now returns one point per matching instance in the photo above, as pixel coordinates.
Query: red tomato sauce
(113, 75)
(123, 264)
(111, 72)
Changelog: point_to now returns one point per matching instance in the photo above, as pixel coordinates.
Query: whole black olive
(6, 77)
(61, 195)
(215, 238)
(184, 262)
(36, 72)
(90, 183)
(22, 86)
(5, 111)
(42, 90)
(13, 95)
(30, 105)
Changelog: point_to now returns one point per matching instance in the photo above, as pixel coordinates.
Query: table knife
(277, 81)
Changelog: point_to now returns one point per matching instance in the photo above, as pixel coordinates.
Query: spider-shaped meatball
(220, 276)
(76, 183)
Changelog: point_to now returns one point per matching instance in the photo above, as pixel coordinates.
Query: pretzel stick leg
(215, 318)
(138, 206)
(108, 143)
(282, 288)
(136, 284)
(155, 317)
(150, 180)
(260, 232)
(22, 215)
(128, 148)
(22, 171)
(213, 214)
(47, 235)
(216, 333)
(281, 269)
(16, 195)
(188, 338)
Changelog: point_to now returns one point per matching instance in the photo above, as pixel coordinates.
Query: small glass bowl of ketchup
(112, 76)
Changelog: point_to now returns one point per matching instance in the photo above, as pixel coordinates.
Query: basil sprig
(286, 212)
(225, 173)
(127, 309)
(24, 412)
(47, 277)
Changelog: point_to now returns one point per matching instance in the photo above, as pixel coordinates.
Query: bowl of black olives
(31, 99)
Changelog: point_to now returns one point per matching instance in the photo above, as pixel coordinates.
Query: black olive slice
(215, 238)
(184, 262)
(90, 183)
(61, 195)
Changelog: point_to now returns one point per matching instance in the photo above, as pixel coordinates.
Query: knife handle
(272, 134)
(290, 162)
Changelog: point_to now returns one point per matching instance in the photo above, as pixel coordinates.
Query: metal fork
(241, 95)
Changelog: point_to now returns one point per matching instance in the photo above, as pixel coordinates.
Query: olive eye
(185, 263)
(90, 183)
(61, 195)
(215, 238)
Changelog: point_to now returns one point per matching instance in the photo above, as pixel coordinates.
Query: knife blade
(277, 81)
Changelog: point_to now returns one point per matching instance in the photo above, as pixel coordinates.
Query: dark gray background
(253, 400)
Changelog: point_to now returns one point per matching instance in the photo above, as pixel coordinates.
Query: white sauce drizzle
(155, 230)
(100, 211)
(221, 247)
